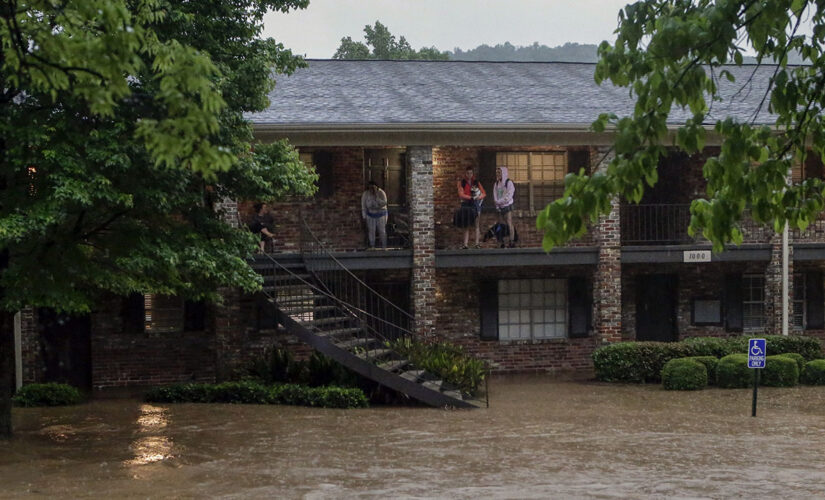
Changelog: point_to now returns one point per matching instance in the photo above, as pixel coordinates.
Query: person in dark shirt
(472, 194)
(263, 224)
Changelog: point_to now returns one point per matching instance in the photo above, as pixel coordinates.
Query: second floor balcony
(667, 224)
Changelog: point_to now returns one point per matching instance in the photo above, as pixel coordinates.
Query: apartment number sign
(696, 256)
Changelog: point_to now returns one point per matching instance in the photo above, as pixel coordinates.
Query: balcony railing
(667, 224)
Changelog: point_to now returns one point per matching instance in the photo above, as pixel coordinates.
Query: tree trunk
(6, 357)
(6, 371)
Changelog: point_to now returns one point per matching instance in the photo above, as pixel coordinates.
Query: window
(321, 161)
(539, 177)
(753, 301)
(798, 304)
(532, 309)
(167, 313)
(164, 313)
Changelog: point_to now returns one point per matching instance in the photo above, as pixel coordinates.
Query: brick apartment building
(414, 127)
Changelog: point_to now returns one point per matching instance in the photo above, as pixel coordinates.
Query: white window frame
(532, 309)
(533, 177)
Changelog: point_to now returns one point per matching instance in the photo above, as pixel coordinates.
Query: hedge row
(732, 371)
(50, 394)
(643, 361)
(247, 392)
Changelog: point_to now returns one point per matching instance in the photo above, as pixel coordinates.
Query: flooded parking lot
(539, 439)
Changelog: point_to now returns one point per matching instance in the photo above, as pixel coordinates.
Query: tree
(672, 53)
(385, 47)
(122, 127)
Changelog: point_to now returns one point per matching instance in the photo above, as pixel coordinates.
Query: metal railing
(380, 316)
(667, 224)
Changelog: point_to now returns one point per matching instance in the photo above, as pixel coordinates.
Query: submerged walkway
(540, 438)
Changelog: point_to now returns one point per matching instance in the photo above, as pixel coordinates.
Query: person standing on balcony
(503, 192)
(374, 212)
(262, 224)
(472, 194)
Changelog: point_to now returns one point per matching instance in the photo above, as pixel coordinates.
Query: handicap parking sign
(756, 353)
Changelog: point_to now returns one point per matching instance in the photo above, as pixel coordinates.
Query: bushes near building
(814, 372)
(50, 394)
(446, 361)
(643, 361)
(780, 371)
(710, 363)
(249, 392)
(800, 360)
(684, 374)
(733, 372)
(636, 361)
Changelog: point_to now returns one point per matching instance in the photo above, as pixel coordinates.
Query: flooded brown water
(539, 439)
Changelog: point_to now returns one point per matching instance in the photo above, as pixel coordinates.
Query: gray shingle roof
(332, 93)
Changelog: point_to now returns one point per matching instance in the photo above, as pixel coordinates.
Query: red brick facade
(444, 300)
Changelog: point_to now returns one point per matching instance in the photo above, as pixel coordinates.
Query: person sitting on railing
(262, 224)
(374, 212)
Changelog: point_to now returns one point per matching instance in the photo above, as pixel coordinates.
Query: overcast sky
(317, 31)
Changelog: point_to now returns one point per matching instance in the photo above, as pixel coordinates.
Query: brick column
(30, 340)
(422, 229)
(227, 209)
(228, 330)
(607, 281)
(226, 316)
(773, 288)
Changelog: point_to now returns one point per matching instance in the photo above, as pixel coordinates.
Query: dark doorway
(656, 307)
(65, 345)
(387, 168)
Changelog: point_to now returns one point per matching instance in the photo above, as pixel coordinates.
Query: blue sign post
(757, 352)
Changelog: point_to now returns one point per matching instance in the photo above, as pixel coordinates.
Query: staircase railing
(379, 315)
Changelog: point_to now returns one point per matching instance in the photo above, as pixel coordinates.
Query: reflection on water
(152, 447)
(538, 439)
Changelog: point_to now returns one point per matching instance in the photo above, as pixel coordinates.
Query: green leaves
(121, 136)
(672, 53)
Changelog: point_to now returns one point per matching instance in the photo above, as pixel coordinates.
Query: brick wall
(694, 281)
(335, 220)
(457, 320)
(449, 165)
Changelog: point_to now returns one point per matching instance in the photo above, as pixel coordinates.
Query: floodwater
(539, 439)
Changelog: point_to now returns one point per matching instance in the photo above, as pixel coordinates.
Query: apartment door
(387, 168)
(656, 304)
(65, 346)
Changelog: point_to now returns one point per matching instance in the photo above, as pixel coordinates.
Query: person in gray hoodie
(374, 212)
(503, 192)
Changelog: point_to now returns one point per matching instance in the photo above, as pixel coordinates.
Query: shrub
(50, 394)
(326, 397)
(249, 392)
(445, 360)
(635, 361)
(779, 371)
(814, 372)
(244, 392)
(684, 374)
(277, 365)
(711, 346)
(324, 371)
(710, 363)
(800, 360)
(732, 371)
(181, 393)
(809, 347)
